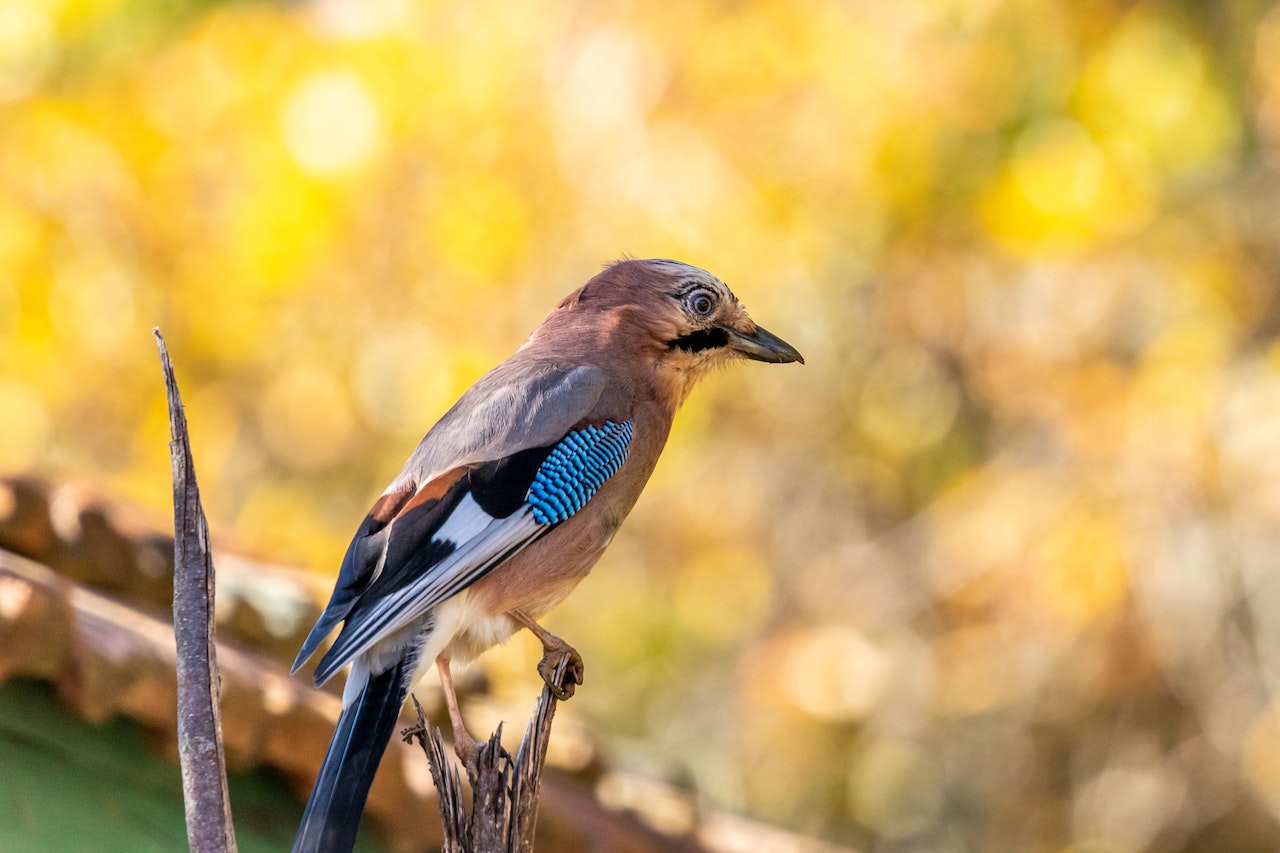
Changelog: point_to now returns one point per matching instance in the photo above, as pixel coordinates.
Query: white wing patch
(497, 541)
(465, 522)
(356, 681)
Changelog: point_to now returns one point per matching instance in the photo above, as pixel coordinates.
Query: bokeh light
(995, 570)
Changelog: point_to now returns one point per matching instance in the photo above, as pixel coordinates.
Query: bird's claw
(472, 754)
(468, 752)
(561, 665)
(561, 669)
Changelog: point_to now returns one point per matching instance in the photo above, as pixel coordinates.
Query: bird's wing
(423, 543)
(515, 406)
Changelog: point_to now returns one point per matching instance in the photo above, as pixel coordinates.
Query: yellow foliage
(931, 590)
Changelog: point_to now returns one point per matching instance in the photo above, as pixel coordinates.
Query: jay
(507, 503)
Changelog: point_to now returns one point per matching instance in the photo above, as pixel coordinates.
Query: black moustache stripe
(703, 339)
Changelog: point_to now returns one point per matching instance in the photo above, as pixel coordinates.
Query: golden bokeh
(994, 570)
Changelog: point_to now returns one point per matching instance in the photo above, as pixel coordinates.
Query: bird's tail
(368, 718)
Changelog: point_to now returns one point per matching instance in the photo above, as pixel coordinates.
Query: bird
(508, 502)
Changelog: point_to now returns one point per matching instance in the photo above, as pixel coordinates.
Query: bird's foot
(561, 668)
(464, 745)
(468, 751)
(561, 665)
(481, 759)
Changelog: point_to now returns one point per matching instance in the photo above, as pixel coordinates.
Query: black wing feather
(411, 549)
(500, 487)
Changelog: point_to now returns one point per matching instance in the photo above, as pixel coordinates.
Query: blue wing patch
(423, 565)
(576, 468)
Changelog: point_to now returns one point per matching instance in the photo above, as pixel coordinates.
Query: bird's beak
(763, 345)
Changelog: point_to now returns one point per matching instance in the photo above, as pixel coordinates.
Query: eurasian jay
(507, 503)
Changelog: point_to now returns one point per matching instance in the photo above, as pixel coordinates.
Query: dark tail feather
(333, 811)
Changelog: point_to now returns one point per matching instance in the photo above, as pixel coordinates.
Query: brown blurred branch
(505, 792)
(204, 775)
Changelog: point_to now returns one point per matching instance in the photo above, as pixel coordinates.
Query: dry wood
(504, 810)
(204, 776)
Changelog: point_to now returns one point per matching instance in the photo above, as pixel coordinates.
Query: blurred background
(997, 570)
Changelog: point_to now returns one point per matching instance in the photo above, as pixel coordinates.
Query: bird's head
(683, 318)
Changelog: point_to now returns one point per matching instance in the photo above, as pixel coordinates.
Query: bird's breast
(543, 574)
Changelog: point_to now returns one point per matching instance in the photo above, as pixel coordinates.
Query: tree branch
(204, 775)
(505, 791)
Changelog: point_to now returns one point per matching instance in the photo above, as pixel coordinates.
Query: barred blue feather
(576, 468)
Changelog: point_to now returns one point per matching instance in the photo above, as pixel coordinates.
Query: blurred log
(204, 767)
(504, 797)
(113, 655)
(112, 547)
(110, 658)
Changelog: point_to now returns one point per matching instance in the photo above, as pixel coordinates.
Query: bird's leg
(553, 649)
(464, 745)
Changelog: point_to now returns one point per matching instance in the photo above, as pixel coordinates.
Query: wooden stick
(204, 774)
(505, 791)
(530, 759)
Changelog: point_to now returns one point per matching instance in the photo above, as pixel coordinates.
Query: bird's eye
(702, 304)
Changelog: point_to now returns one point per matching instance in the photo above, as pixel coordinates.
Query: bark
(204, 775)
(505, 791)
